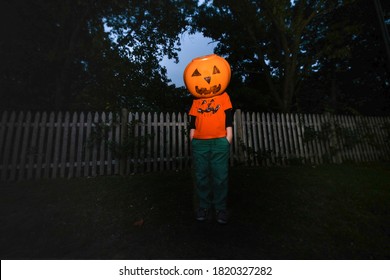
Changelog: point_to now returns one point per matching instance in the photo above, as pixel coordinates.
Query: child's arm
(192, 127)
(229, 134)
(229, 125)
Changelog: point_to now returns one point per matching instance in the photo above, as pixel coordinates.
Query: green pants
(211, 166)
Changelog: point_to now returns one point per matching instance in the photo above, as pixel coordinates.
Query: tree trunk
(63, 81)
(384, 31)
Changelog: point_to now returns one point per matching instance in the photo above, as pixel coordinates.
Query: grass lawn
(297, 212)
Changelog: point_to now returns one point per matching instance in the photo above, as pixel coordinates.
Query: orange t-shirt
(210, 116)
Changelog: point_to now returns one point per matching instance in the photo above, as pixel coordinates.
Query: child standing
(211, 132)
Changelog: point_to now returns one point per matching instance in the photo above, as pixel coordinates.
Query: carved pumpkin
(207, 76)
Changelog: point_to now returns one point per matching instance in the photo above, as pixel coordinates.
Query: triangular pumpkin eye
(196, 73)
(216, 70)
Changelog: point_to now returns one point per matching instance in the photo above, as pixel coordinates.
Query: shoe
(202, 214)
(222, 216)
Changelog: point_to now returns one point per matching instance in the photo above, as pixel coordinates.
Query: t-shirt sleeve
(227, 103)
(193, 109)
(192, 122)
(228, 118)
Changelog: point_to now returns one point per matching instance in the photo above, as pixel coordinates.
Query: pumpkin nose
(207, 79)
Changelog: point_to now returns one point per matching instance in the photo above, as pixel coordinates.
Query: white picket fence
(66, 145)
(282, 139)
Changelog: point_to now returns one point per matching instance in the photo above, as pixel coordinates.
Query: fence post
(333, 139)
(123, 139)
(240, 137)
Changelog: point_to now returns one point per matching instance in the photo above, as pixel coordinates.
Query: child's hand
(229, 134)
(192, 131)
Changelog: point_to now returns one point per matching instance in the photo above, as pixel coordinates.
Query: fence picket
(174, 142)
(40, 154)
(143, 143)
(282, 152)
(136, 143)
(292, 136)
(7, 147)
(244, 136)
(148, 141)
(24, 147)
(57, 141)
(284, 138)
(255, 139)
(186, 140)
(64, 149)
(80, 138)
(49, 145)
(364, 146)
(308, 143)
(33, 148)
(88, 146)
(236, 135)
(117, 137)
(376, 137)
(249, 141)
(110, 133)
(94, 148)
(358, 148)
(155, 141)
(271, 135)
(366, 133)
(324, 138)
(167, 125)
(385, 135)
(267, 150)
(102, 150)
(162, 139)
(348, 151)
(353, 150)
(16, 146)
(260, 139)
(180, 135)
(316, 148)
(378, 128)
(299, 138)
(319, 144)
(275, 137)
(3, 129)
(373, 139)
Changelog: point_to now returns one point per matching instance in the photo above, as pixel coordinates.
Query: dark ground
(298, 212)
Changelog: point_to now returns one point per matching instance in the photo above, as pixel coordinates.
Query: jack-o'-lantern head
(207, 76)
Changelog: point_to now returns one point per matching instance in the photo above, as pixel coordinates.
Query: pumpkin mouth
(205, 91)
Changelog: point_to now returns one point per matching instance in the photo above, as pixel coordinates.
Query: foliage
(95, 55)
(302, 56)
(342, 138)
(290, 51)
(123, 148)
(355, 84)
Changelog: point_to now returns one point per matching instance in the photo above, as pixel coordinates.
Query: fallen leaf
(139, 223)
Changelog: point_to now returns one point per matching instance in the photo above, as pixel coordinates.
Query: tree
(275, 40)
(358, 80)
(383, 28)
(86, 53)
